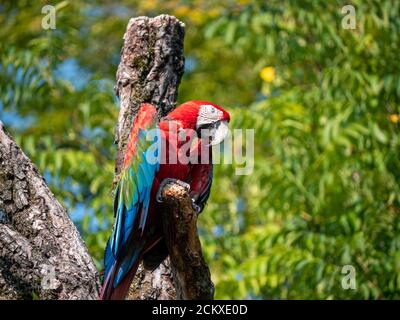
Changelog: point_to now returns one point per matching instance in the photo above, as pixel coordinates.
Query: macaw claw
(168, 181)
(195, 207)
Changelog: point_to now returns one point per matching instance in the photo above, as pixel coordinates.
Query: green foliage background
(324, 192)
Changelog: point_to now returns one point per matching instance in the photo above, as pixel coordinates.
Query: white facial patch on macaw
(208, 114)
(210, 118)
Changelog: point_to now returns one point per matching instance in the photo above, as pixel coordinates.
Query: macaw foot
(168, 181)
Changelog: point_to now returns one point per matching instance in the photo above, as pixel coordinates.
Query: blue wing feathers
(133, 200)
(108, 258)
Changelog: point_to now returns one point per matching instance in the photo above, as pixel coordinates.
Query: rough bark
(150, 70)
(192, 277)
(41, 252)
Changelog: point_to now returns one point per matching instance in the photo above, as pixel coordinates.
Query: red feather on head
(188, 112)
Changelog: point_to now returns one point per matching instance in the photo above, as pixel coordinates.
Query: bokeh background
(323, 100)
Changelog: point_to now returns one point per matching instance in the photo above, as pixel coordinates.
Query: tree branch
(41, 252)
(150, 70)
(192, 277)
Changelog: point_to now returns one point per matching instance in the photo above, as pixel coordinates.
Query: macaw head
(204, 117)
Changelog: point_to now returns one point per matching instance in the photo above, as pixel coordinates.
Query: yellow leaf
(268, 74)
(394, 118)
(148, 5)
(182, 11)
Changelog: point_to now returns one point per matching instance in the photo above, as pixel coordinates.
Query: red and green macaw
(137, 227)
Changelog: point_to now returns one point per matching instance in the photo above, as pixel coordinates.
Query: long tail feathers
(107, 285)
(108, 291)
(119, 272)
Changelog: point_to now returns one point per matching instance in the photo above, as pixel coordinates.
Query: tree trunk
(41, 252)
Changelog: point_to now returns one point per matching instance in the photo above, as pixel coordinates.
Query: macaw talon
(195, 207)
(167, 181)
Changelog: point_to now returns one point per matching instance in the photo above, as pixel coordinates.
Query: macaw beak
(221, 131)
